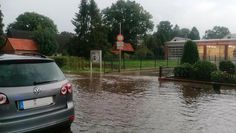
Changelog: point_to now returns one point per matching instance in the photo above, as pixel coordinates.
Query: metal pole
(120, 61)
(160, 71)
(120, 27)
(112, 63)
(155, 62)
(140, 66)
(100, 54)
(91, 67)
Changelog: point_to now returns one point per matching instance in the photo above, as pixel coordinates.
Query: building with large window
(209, 49)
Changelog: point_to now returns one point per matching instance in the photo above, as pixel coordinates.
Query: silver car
(34, 94)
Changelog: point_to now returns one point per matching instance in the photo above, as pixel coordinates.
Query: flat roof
(202, 41)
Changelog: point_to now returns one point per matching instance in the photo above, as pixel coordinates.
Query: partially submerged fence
(112, 63)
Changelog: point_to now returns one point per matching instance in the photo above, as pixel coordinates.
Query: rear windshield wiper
(44, 82)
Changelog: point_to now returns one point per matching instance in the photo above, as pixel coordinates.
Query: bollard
(160, 71)
(216, 87)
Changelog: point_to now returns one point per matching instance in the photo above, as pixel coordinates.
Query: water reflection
(128, 103)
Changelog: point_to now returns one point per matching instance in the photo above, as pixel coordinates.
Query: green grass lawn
(78, 65)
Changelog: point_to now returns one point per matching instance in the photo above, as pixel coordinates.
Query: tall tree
(164, 31)
(194, 34)
(184, 32)
(97, 32)
(81, 22)
(2, 38)
(89, 30)
(43, 28)
(46, 40)
(136, 21)
(31, 21)
(218, 32)
(175, 31)
(154, 45)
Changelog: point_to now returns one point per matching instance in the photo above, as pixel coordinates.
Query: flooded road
(140, 104)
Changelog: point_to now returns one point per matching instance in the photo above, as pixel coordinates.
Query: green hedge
(70, 63)
(184, 70)
(60, 60)
(227, 66)
(224, 77)
(202, 70)
(207, 71)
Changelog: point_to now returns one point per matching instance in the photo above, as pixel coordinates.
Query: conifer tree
(89, 30)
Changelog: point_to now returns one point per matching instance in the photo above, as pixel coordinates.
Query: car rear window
(14, 74)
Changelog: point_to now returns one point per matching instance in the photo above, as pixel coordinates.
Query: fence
(112, 63)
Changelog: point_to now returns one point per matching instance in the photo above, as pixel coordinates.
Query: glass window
(27, 74)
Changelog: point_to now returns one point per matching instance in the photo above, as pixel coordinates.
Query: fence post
(215, 59)
(167, 62)
(160, 71)
(155, 62)
(140, 66)
(104, 66)
(123, 60)
(112, 64)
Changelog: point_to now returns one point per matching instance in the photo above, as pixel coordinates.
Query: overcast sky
(204, 14)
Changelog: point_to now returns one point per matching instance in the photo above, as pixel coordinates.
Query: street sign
(96, 56)
(119, 45)
(120, 38)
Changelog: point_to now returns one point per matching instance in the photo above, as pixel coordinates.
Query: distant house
(209, 49)
(126, 48)
(19, 46)
(62, 39)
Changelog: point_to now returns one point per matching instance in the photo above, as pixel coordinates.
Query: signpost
(120, 45)
(95, 57)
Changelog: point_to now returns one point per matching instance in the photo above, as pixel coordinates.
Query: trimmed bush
(219, 76)
(184, 71)
(190, 54)
(202, 70)
(227, 66)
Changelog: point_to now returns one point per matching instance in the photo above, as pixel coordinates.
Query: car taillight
(71, 118)
(3, 99)
(67, 88)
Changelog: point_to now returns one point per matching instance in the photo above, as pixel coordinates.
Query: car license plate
(28, 104)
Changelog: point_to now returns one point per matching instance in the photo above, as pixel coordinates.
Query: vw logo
(36, 90)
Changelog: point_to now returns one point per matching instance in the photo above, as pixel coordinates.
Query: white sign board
(119, 45)
(96, 56)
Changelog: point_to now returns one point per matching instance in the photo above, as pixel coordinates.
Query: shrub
(203, 69)
(60, 61)
(184, 71)
(227, 66)
(190, 54)
(219, 76)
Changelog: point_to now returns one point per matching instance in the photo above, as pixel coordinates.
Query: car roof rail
(34, 54)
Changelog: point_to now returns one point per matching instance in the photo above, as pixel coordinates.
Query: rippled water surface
(140, 104)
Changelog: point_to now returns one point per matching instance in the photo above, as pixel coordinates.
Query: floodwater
(140, 104)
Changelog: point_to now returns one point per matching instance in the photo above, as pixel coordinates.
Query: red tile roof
(127, 47)
(23, 44)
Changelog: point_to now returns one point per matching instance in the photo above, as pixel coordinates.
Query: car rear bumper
(38, 122)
